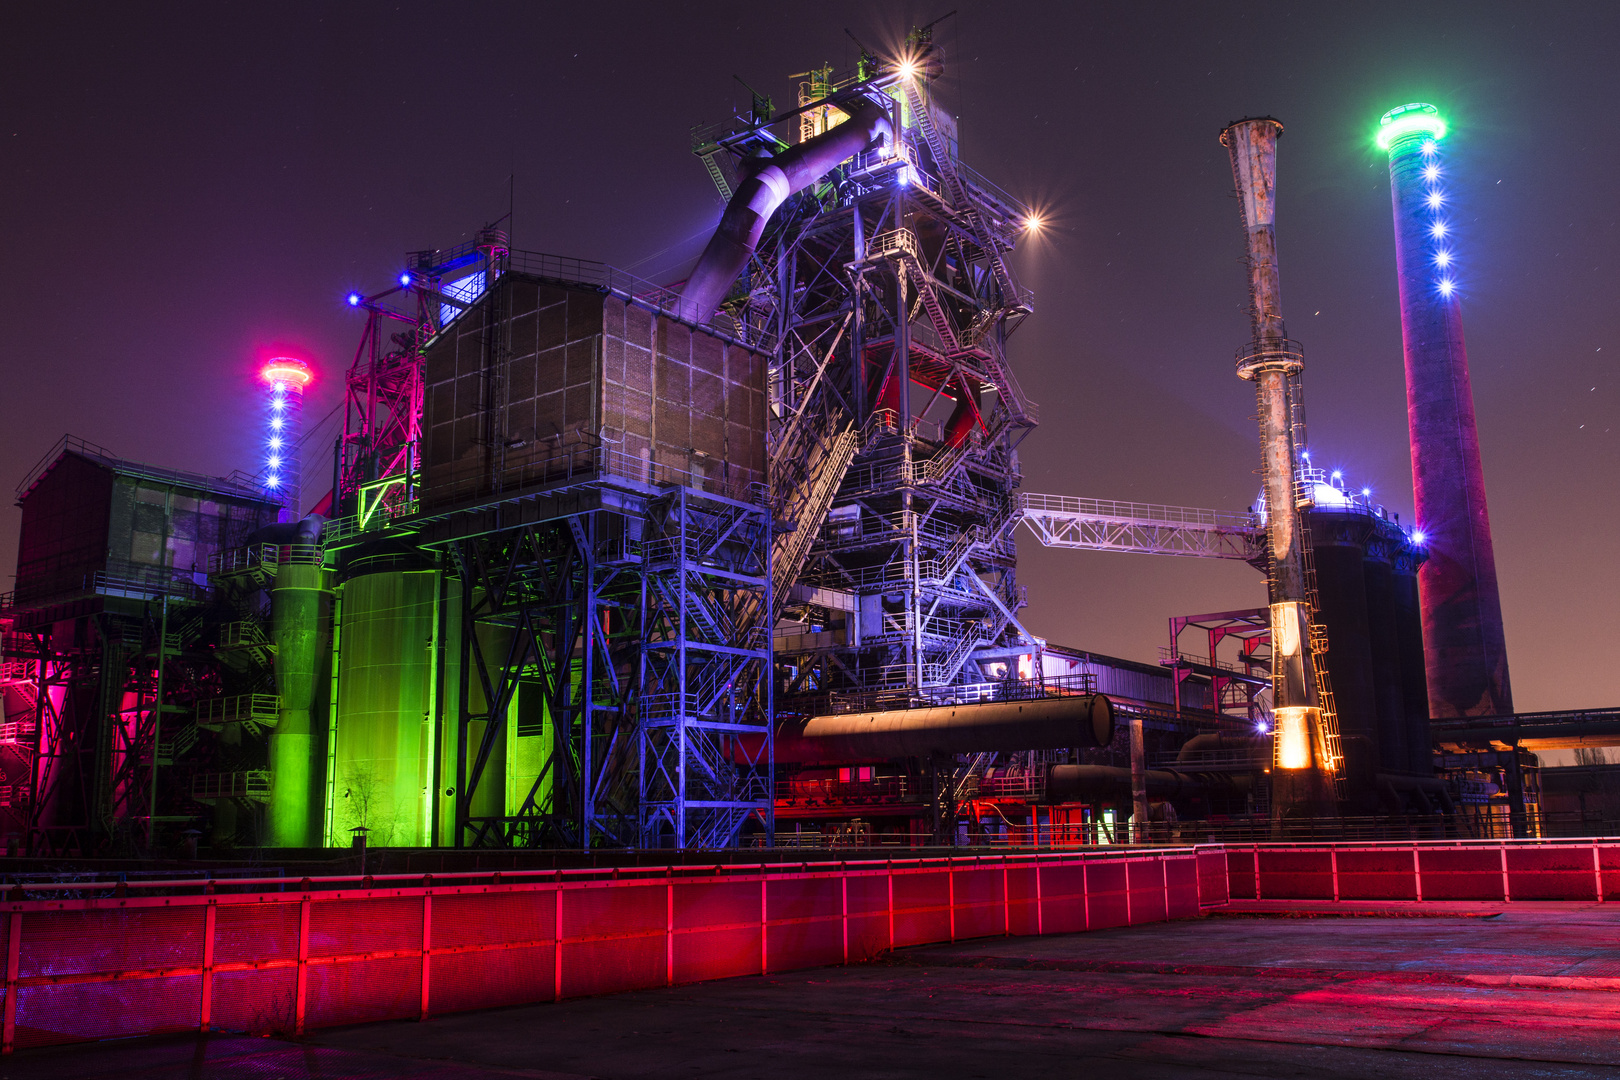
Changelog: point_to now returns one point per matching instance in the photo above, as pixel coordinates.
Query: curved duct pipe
(1080, 783)
(759, 196)
(1223, 740)
(1421, 787)
(306, 532)
(1041, 724)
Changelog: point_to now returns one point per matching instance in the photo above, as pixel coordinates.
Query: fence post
(1597, 870)
(843, 904)
(427, 948)
(1333, 856)
(301, 997)
(13, 962)
(205, 1007)
(557, 942)
(669, 933)
(1006, 896)
(1417, 873)
(1507, 892)
(950, 891)
(1040, 925)
(1085, 889)
(1127, 861)
(764, 925)
(1256, 869)
(891, 904)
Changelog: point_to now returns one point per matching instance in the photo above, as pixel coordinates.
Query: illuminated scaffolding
(895, 415)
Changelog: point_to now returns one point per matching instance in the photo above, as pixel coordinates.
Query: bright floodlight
(273, 481)
(1431, 172)
(405, 280)
(354, 299)
(1446, 286)
(1366, 493)
(1408, 121)
(1032, 223)
(1417, 536)
(1439, 229)
(1435, 199)
(907, 68)
(1442, 258)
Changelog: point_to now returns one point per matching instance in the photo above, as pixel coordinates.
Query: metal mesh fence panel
(1063, 899)
(1107, 896)
(922, 911)
(1376, 874)
(1461, 873)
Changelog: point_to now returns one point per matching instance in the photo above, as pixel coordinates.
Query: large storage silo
(382, 771)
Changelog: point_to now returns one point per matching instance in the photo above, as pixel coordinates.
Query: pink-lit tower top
(286, 378)
(1464, 649)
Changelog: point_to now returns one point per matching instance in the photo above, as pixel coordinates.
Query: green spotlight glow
(1414, 119)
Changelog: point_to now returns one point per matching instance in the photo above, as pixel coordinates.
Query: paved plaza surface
(1256, 990)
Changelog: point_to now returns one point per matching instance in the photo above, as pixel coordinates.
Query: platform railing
(274, 955)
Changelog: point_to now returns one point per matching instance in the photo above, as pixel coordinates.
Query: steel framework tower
(895, 414)
(1462, 610)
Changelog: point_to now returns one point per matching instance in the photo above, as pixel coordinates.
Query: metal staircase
(801, 497)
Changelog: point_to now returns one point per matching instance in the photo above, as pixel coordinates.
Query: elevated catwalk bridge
(1061, 521)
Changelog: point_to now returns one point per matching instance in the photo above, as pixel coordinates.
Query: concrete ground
(1258, 990)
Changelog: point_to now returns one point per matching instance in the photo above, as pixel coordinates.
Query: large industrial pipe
(759, 196)
(300, 613)
(1041, 724)
(300, 605)
(1464, 645)
(1083, 783)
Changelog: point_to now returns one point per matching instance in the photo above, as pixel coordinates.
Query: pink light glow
(285, 370)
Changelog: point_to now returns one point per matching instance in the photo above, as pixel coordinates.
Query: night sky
(186, 189)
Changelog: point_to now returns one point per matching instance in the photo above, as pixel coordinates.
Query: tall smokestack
(1465, 654)
(1305, 742)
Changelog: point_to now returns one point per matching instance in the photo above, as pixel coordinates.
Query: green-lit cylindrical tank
(382, 760)
(300, 608)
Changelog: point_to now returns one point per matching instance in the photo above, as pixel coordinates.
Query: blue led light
(272, 482)
(405, 280)
(1431, 172)
(1366, 493)
(1438, 230)
(1417, 536)
(1447, 286)
(354, 299)
(1435, 199)
(1442, 259)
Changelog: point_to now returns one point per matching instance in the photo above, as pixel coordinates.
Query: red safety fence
(344, 951)
(1503, 870)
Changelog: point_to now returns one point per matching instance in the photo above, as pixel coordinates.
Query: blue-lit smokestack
(1464, 649)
